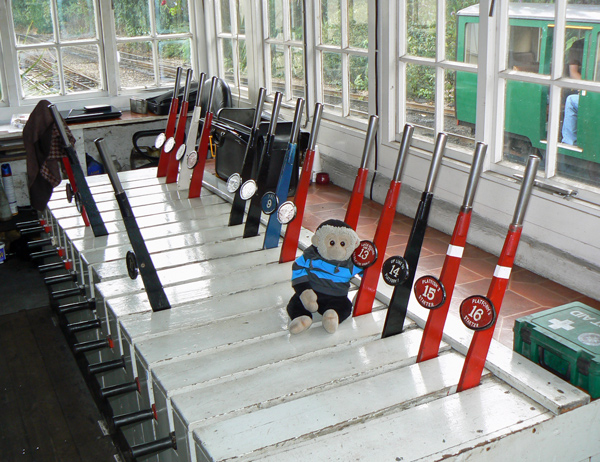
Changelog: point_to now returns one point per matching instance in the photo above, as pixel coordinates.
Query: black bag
(231, 147)
(160, 104)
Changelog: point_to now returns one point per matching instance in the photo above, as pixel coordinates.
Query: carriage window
(524, 49)
(471, 45)
(597, 64)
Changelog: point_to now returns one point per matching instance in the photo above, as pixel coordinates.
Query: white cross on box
(565, 324)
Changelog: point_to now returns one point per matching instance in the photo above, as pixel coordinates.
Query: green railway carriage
(531, 32)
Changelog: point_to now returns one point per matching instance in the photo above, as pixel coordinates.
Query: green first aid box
(564, 340)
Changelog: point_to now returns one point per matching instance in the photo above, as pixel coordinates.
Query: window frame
(287, 43)
(106, 40)
(314, 55)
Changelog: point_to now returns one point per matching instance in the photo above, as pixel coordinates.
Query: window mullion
(153, 34)
(554, 108)
(288, 72)
(108, 47)
(440, 50)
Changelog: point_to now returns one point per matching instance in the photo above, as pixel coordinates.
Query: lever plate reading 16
(394, 270)
(429, 292)
(477, 312)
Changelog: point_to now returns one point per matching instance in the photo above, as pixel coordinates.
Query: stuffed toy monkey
(321, 278)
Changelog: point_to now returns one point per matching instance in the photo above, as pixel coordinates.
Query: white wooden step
(182, 272)
(228, 364)
(430, 431)
(150, 211)
(301, 377)
(140, 201)
(178, 250)
(191, 292)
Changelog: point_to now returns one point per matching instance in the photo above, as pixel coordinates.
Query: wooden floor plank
(48, 413)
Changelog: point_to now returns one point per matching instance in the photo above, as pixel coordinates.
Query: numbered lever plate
(248, 190)
(269, 203)
(233, 182)
(365, 254)
(395, 270)
(477, 312)
(286, 212)
(192, 159)
(180, 152)
(430, 292)
(160, 140)
(169, 144)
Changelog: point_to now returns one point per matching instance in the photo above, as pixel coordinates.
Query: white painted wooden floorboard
(187, 272)
(148, 325)
(138, 202)
(178, 250)
(429, 431)
(175, 250)
(60, 202)
(187, 293)
(296, 378)
(150, 211)
(333, 408)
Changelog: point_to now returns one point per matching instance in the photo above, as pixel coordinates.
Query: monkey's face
(335, 243)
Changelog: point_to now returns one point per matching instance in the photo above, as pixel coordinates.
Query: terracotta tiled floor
(527, 292)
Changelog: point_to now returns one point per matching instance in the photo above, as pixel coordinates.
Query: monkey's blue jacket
(312, 271)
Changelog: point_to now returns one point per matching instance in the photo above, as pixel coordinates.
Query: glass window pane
(33, 21)
(76, 19)
(241, 18)
(524, 49)
(243, 63)
(359, 86)
(358, 23)
(297, 72)
(579, 155)
(525, 121)
(331, 33)
(225, 17)
(135, 64)
(172, 16)
(420, 99)
(420, 33)
(277, 68)
(464, 132)
(332, 82)
(81, 67)
(39, 72)
(471, 43)
(296, 14)
(171, 55)
(227, 59)
(452, 10)
(275, 19)
(132, 18)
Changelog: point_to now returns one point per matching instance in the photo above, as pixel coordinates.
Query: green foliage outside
(420, 80)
